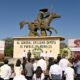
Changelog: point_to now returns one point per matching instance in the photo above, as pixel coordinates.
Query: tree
(63, 45)
(8, 47)
(64, 50)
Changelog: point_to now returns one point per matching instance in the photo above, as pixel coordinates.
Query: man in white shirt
(5, 70)
(42, 64)
(50, 55)
(46, 55)
(69, 73)
(43, 54)
(24, 54)
(77, 66)
(55, 71)
(19, 77)
(63, 63)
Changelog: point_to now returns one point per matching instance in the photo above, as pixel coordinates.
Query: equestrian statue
(41, 23)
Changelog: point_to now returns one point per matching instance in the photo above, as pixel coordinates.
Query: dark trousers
(11, 79)
(56, 77)
(29, 77)
(78, 77)
(63, 76)
(1, 79)
(46, 77)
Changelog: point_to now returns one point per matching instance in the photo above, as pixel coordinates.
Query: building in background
(74, 45)
(2, 47)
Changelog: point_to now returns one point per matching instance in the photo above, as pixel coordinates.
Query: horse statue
(42, 24)
(32, 27)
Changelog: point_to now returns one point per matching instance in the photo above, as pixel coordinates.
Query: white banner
(75, 49)
(74, 43)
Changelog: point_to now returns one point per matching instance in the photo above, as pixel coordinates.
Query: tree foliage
(64, 50)
(8, 47)
(63, 45)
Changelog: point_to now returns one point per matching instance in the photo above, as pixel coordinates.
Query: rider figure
(42, 14)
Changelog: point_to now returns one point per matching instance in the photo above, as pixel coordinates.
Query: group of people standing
(41, 69)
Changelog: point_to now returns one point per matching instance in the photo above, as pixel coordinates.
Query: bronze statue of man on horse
(41, 23)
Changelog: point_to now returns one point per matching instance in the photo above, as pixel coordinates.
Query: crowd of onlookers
(41, 68)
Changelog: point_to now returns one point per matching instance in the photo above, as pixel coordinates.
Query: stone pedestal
(37, 45)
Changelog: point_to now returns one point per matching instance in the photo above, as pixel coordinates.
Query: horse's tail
(22, 23)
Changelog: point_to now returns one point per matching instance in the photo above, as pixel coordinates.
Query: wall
(36, 44)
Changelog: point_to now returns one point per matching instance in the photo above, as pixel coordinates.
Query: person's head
(29, 52)
(5, 61)
(42, 51)
(50, 51)
(18, 62)
(46, 52)
(42, 57)
(38, 72)
(59, 54)
(63, 56)
(24, 60)
(44, 10)
(55, 61)
(51, 59)
(24, 50)
(32, 61)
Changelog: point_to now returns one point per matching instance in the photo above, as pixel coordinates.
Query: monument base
(37, 45)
